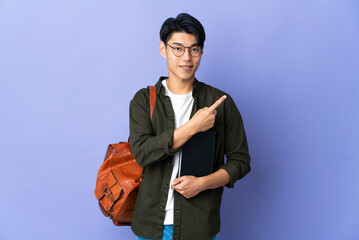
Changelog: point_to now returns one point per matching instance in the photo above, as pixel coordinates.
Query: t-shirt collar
(160, 89)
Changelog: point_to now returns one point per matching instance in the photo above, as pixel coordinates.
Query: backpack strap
(152, 99)
(152, 106)
(152, 102)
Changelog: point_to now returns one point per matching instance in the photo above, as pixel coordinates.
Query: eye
(195, 49)
(178, 48)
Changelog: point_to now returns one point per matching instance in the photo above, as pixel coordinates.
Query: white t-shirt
(182, 107)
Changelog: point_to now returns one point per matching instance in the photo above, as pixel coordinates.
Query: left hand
(188, 186)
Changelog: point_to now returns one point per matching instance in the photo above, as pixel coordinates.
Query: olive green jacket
(197, 217)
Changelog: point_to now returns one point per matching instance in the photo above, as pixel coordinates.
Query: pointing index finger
(218, 102)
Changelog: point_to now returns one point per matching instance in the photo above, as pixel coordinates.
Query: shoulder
(141, 96)
(212, 92)
(228, 107)
(140, 100)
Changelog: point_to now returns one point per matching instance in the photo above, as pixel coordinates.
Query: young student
(186, 207)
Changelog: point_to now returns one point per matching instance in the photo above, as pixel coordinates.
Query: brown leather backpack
(119, 178)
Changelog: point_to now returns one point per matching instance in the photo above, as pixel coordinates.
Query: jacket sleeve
(147, 148)
(235, 144)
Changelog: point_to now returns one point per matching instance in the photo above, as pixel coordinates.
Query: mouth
(186, 67)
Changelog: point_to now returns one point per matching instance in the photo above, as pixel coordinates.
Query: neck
(179, 86)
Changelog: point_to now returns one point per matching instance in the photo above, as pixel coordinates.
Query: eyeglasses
(179, 50)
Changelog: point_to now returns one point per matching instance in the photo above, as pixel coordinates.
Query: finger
(217, 103)
(177, 181)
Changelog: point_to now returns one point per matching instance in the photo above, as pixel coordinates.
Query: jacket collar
(160, 89)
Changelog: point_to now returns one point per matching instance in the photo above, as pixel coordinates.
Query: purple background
(68, 70)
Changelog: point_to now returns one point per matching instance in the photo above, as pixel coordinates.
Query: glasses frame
(189, 49)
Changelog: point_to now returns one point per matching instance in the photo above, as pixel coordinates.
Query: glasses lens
(178, 50)
(195, 51)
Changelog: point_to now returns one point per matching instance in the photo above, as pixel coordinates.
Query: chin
(186, 76)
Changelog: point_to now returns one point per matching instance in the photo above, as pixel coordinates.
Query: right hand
(205, 117)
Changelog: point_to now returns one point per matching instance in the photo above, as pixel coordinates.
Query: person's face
(185, 66)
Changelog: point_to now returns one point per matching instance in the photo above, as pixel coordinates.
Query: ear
(163, 49)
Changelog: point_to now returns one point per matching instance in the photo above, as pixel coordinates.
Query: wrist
(202, 183)
(191, 128)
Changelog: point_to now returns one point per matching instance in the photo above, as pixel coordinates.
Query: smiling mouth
(186, 68)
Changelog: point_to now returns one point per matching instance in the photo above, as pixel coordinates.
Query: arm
(201, 121)
(237, 165)
(147, 148)
(236, 147)
(190, 186)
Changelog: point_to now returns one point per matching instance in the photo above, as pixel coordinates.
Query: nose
(186, 55)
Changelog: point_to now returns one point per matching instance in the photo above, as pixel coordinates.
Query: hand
(205, 117)
(188, 186)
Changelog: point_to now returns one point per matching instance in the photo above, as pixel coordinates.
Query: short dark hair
(183, 23)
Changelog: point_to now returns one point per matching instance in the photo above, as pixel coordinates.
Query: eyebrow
(194, 44)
